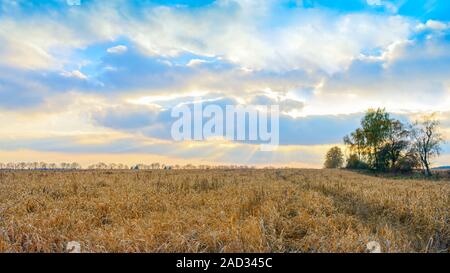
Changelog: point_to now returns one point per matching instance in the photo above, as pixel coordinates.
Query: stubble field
(221, 211)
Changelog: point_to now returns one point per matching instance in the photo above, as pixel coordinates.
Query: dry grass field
(221, 211)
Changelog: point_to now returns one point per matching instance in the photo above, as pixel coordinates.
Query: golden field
(289, 210)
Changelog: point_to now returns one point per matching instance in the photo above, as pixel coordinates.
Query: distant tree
(43, 165)
(426, 141)
(22, 165)
(101, 166)
(334, 158)
(75, 166)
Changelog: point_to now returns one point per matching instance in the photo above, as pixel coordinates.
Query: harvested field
(289, 210)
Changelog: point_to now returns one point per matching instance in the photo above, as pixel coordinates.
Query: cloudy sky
(96, 81)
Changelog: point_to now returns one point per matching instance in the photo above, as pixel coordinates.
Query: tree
(394, 146)
(397, 141)
(367, 142)
(426, 141)
(334, 158)
(375, 126)
(407, 163)
(75, 166)
(357, 143)
(353, 162)
(380, 143)
(22, 166)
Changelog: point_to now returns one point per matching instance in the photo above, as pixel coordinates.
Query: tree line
(39, 166)
(385, 144)
(110, 166)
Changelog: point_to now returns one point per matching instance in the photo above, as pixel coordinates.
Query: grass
(221, 211)
(438, 175)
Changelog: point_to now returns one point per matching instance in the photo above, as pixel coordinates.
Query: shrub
(407, 163)
(353, 162)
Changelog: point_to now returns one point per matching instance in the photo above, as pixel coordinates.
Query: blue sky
(96, 82)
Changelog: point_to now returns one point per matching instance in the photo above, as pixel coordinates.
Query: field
(252, 210)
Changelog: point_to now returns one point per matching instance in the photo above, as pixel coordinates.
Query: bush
(407, 163)
(353, 162)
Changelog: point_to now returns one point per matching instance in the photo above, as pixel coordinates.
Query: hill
(442, 168)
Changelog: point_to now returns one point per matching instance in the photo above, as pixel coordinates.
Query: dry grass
(221, 211)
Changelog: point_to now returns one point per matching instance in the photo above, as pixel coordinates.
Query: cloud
(433, 25)
(195, 62)
(156, 123)
(286, 105)
(74, 74)
(390, 6)
(415, 73)
(117, 49)
(238, 54)
(220, 29)
(15, 86)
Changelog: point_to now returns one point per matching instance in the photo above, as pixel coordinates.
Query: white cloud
(387, 4)
(195, 62)
(74, 74)
(308, 39)
(117, 49)
(433, 25)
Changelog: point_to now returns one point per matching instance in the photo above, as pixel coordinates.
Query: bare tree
(22, 165)
(75, 166)
(43, 165)
(102, 166)
(426, 141)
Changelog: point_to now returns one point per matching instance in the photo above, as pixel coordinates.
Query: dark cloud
(418, 72)
(309, 130)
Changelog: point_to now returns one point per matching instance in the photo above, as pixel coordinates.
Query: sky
(97, 81)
